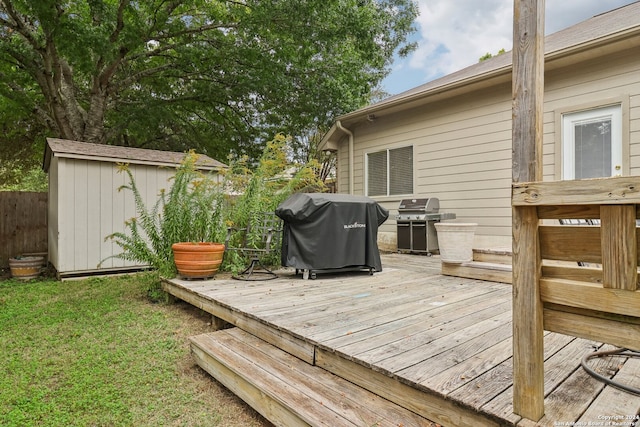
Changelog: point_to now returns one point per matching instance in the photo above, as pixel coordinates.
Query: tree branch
(17, 93)
(19, 25)
(138, 76)
(119, 21)
(188, 32)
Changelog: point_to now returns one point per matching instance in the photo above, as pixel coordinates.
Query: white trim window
(592, 143)
(390, 172)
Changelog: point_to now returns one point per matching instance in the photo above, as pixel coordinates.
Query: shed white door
(592, 143)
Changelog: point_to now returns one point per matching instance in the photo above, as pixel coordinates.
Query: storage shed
(85, 205)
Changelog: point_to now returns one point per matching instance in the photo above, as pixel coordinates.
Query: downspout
(348, 132)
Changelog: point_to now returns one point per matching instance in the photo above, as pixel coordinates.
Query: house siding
(462, 145)
(612, 79)
(634, 133)
(343, 168)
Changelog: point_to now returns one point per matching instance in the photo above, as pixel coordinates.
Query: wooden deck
(439, 346)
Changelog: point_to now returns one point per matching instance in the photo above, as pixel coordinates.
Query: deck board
(440, 345)
(321, 398)
(392, 314)
(387, 337)
(626, 403)
(492, 383)
(414, 363)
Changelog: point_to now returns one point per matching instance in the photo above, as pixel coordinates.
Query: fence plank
(23, 224)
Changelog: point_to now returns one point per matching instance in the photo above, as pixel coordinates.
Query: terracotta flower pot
(197, 260)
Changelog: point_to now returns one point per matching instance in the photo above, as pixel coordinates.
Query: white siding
(86, 206)
(52, 214)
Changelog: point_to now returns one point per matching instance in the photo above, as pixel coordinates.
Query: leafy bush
(263, 189)
(190, 212)
(199, 208)
(34, 179)
(273, 180)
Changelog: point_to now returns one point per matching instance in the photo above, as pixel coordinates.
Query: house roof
(116, 154)
(618, 27)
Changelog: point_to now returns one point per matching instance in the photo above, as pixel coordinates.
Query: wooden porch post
(528, 93)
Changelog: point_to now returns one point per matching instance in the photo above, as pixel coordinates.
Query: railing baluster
(619, 247)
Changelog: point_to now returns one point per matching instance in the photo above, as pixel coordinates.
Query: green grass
(98, 352)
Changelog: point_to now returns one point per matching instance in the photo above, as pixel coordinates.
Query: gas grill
(415, 225)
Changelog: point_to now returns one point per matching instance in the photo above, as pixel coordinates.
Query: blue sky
(453, 34)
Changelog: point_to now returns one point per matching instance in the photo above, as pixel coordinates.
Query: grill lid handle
(431, 204)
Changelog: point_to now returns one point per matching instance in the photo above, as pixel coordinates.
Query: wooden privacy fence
(23, 224)
(600, 302)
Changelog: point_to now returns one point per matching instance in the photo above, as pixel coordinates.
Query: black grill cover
(331, 231)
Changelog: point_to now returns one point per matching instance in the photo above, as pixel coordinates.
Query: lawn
(99, 352)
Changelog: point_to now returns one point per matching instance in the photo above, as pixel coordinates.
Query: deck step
(493, 265)
(288, 391)
(493, 272)
(497, 256)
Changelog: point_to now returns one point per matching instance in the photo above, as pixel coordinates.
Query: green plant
(190, 212)
(34, 179)
(262, 189)
(199, 207)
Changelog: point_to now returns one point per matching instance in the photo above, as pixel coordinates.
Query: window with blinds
(592, 143)
(390, 172)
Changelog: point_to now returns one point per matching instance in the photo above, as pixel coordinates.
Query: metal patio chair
(261, 237)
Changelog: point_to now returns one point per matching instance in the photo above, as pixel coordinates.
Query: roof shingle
(114, 153)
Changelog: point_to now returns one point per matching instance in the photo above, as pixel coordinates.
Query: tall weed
(263, 188)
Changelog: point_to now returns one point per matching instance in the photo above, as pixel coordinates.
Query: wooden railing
(600, 302)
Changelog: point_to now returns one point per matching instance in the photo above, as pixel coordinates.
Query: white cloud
(453, 34)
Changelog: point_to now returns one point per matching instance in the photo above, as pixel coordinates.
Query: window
(592, 143)
(390, 172)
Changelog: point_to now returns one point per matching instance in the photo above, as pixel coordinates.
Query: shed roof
(619, 27)
(117, 154)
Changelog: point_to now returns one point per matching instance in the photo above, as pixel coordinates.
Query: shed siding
(462, 145)
(90, 207)
(52, 214)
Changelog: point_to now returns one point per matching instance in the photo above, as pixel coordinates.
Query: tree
(489, 55)
(20, 163)
(212, 75)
